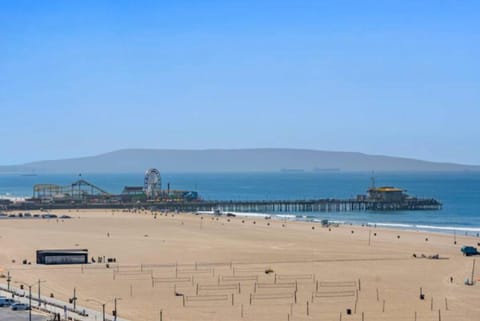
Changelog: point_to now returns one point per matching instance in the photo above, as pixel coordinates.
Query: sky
(399, 78)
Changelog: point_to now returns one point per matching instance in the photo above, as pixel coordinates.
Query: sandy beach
(200, 267)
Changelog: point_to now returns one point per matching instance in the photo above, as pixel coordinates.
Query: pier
(83, 195)
(261, 206)
(297, 206)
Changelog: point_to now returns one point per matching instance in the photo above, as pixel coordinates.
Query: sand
(224, 260)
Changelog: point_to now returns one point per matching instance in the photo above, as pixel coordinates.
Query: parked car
(49, 216)
(20, 306)
(2, 301)
(5, 302)
(469, 250)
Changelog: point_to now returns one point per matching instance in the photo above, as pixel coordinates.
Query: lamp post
(29, 299)
(115, 308)
(39, 298)
(102, 304)
(9, 279)
(29, 303)
(74, 299)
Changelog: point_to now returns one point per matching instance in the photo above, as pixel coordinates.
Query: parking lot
(6, 314)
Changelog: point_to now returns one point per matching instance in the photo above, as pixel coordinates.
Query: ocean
(459, 192)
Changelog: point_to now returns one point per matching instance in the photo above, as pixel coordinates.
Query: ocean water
(459, 192)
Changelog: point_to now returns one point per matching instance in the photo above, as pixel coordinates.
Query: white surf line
(426, 227)
(239, 214)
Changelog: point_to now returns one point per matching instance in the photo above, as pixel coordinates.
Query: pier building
(77, 256)
(386, 194)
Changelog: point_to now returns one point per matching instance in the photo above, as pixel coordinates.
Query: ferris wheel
(152, 184)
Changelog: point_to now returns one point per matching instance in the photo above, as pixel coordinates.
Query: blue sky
(399, 78)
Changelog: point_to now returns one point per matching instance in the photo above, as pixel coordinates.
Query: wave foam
(427, 227)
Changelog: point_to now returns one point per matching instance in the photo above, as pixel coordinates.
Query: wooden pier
(82, 195)
(261, 206)
(298, 206)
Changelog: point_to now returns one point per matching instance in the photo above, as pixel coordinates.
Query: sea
(459, 192)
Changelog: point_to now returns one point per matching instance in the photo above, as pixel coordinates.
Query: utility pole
(103, 311)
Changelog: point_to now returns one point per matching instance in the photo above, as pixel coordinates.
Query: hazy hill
(241, 160)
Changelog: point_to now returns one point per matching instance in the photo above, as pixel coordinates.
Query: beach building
(182, 195)
(77, 256)
(386, 194)
(130, 193)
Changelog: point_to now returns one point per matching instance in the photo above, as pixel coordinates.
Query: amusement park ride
(152, 184)
(83, 191)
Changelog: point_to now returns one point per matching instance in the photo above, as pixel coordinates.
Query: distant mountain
(238, 160)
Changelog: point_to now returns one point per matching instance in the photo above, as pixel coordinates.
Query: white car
(20, 306)
(5, 302)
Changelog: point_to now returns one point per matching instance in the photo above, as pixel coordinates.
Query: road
(6, 314)
(54, 306)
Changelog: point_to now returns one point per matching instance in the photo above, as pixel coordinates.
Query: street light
(74, 299)
(29, 299)
(9, 279)
(39, 298)
(115, 307)
(101, 303)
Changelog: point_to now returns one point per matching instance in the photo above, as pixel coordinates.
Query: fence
(218, 288)
(215, 298)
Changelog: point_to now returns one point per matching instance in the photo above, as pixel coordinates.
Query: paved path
(6, 314)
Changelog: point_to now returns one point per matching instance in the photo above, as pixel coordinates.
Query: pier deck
(318, 205)
(262, 206)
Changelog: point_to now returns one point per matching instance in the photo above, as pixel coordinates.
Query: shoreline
(298, 217)
(378, 227)
(449, 230)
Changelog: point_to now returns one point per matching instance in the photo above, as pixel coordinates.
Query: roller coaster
(79, 190)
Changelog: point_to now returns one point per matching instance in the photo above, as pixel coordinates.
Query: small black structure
(77, 256)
